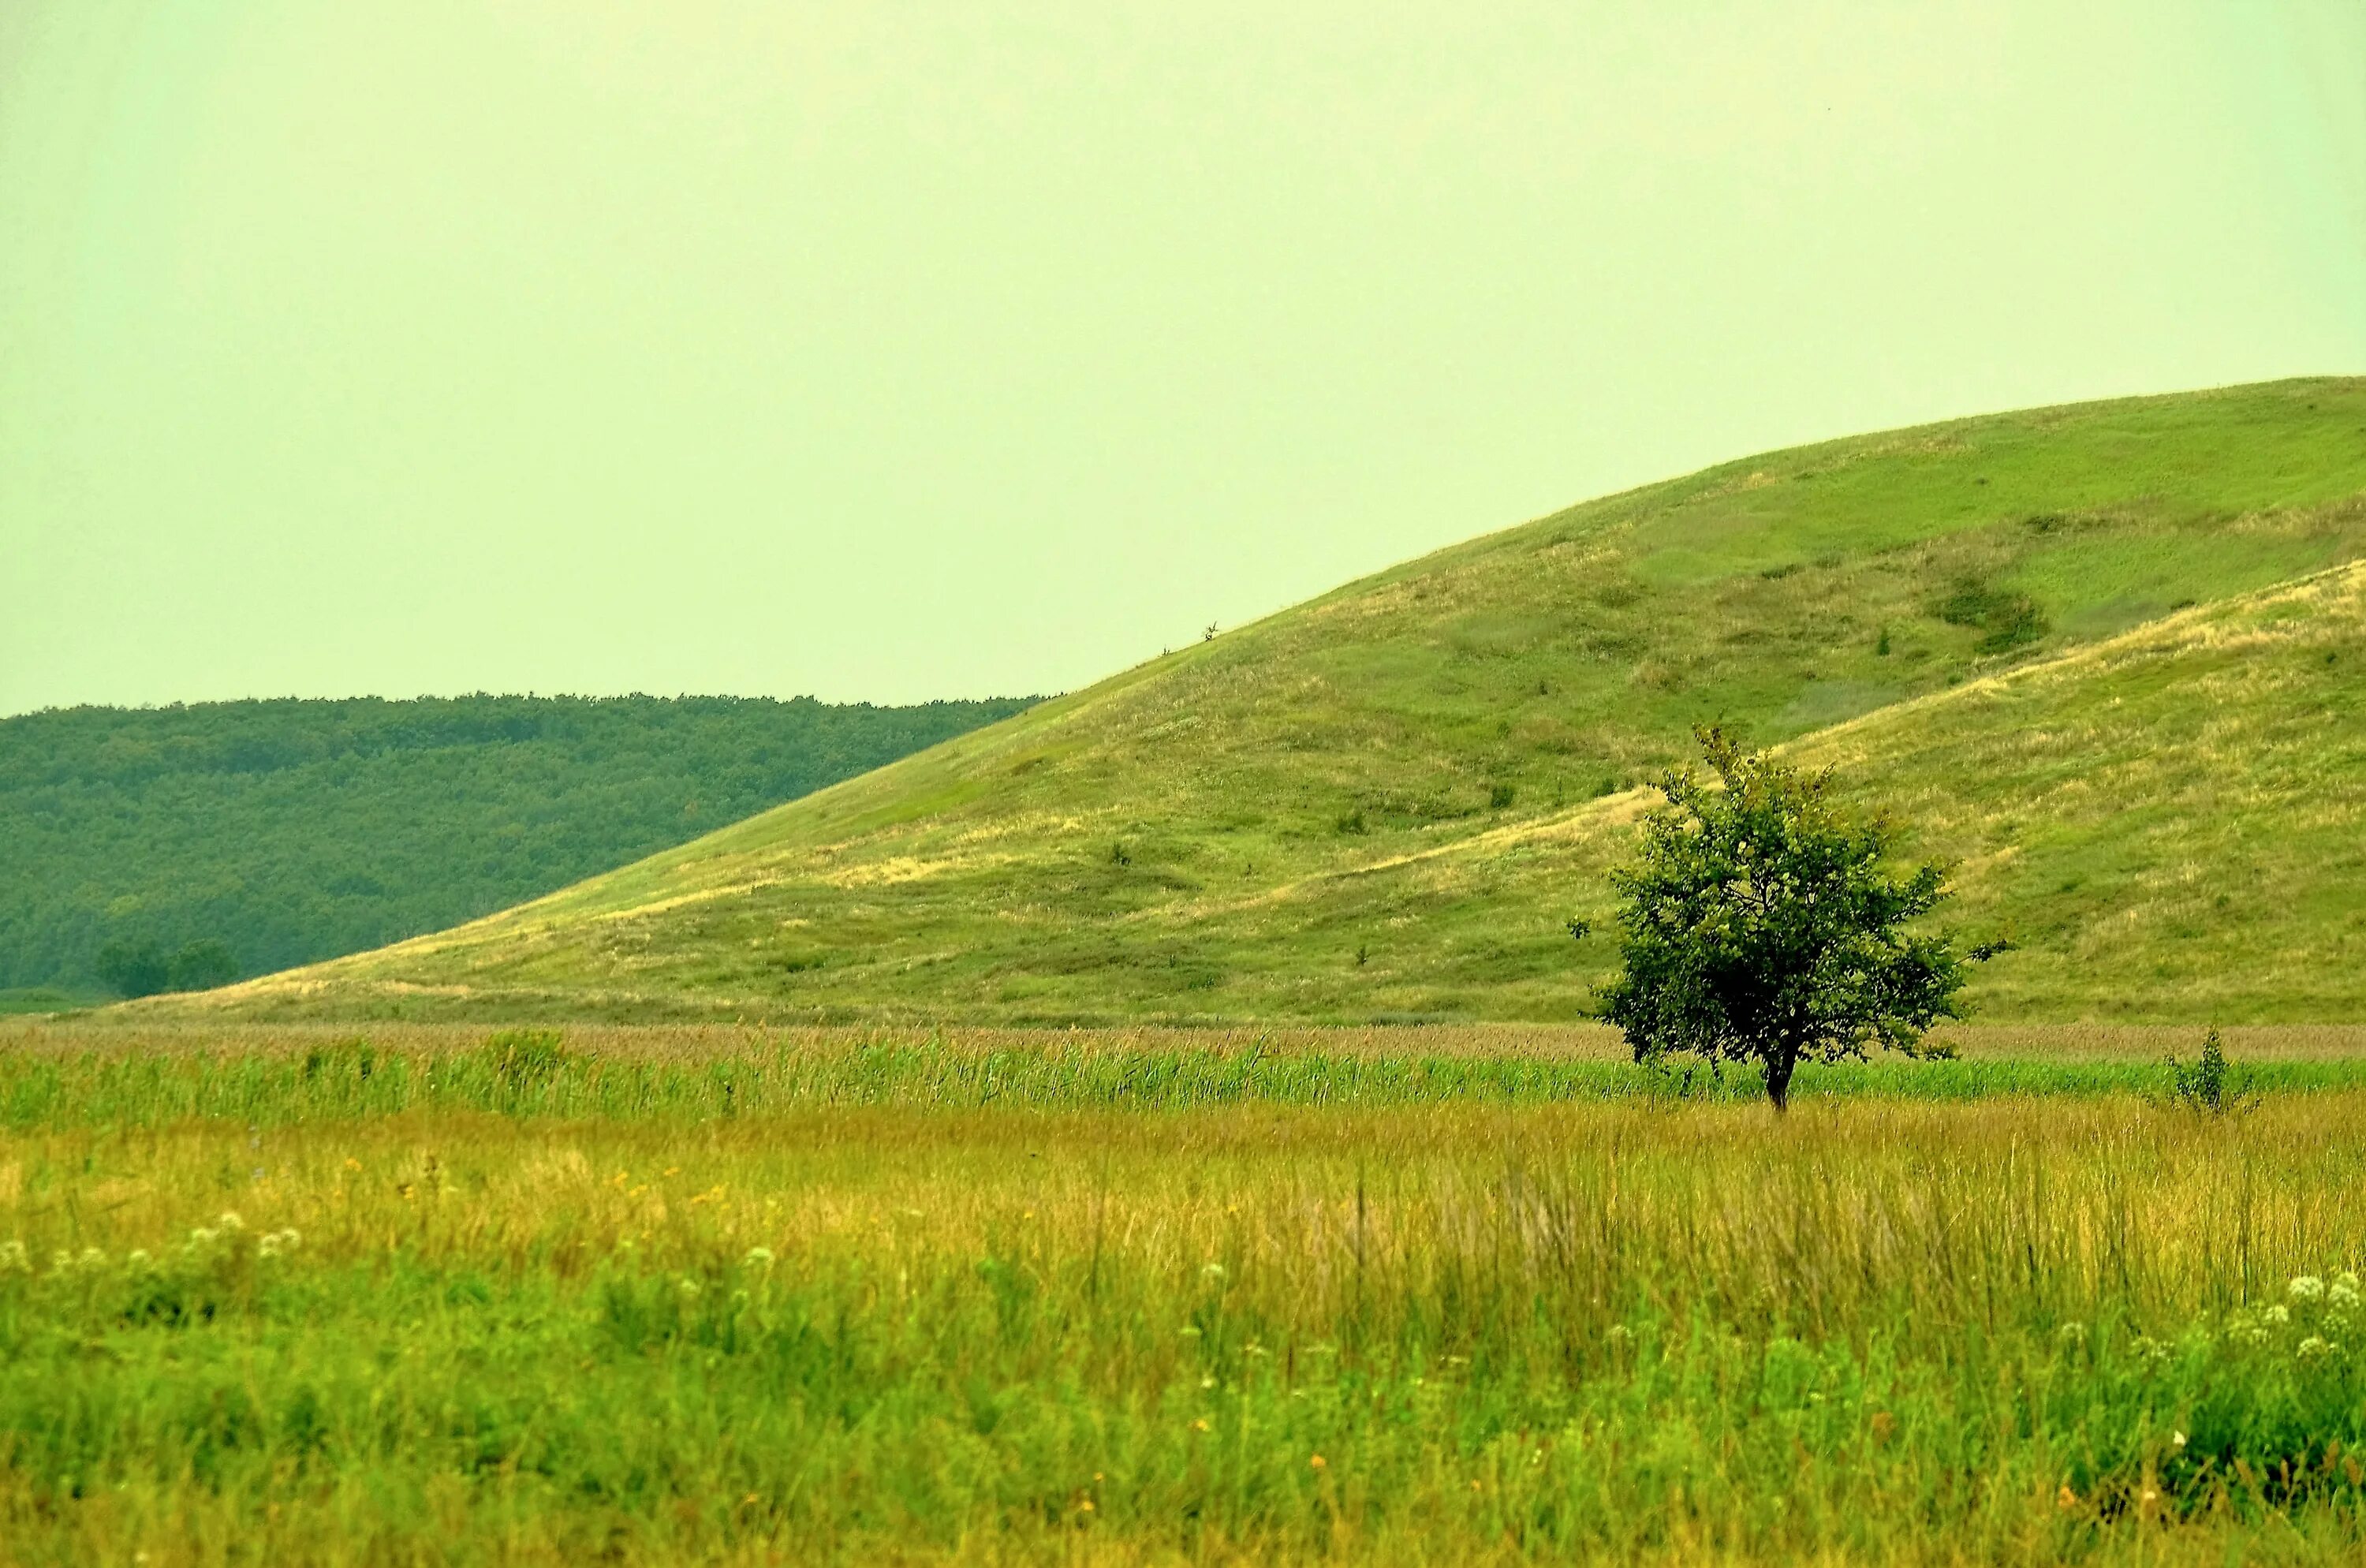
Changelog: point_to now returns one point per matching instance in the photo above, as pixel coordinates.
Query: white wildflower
(2278, 1313)
(1211, 1270)
(2312, 1349)
(757, 1258)
(2307, 1289)
(230, 1222)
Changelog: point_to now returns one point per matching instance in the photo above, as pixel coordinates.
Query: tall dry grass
(2019, 1329)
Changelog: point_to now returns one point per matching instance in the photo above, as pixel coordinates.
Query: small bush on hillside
(2006, 620)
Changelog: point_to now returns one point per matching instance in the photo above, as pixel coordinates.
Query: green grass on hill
(1383, 802)
(2170, 824)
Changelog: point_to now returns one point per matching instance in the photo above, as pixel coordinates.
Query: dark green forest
(142, 849)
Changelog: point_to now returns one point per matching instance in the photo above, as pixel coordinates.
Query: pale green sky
(985, 346)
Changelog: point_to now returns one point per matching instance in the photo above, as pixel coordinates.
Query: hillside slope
(2170, 823)
(1378, 803)
(294, 830)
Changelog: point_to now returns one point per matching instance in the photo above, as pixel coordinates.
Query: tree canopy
(1758, 926)
(192, 845)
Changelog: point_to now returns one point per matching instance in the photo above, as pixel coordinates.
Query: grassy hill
(291, 831)
(2057, 640)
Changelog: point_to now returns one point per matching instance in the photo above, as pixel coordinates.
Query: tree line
(179, 848)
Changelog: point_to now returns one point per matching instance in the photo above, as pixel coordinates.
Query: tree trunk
(1778, 1076)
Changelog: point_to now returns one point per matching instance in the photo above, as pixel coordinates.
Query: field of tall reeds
(662, 1296)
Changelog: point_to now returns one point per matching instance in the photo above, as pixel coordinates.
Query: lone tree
(1758, 927)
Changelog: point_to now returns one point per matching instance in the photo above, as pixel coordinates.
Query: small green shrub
(2211, 1085)
(2007, 620)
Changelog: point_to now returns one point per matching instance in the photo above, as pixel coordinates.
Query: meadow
(416, 1293)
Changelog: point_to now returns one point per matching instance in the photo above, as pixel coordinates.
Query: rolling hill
(2108, 655)
(288, 831)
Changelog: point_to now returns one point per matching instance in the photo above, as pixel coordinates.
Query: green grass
(530, 1301)
(1383, 803)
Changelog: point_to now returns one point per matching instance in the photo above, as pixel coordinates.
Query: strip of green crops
(49, 1089)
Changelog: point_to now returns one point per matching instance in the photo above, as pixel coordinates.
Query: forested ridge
(290, 830)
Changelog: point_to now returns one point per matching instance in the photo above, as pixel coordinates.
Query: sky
(889, 352)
